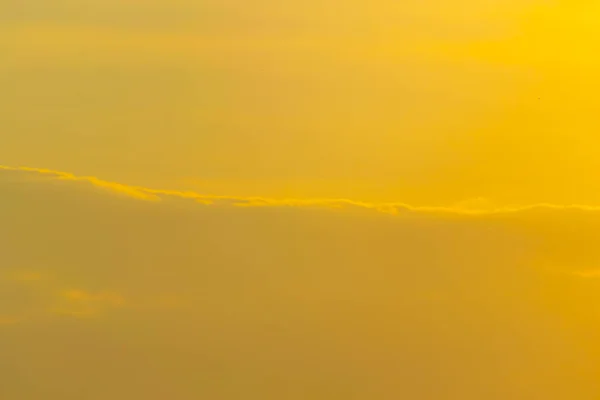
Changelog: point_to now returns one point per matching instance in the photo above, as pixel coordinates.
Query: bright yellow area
(428, 102)
(299, 199)
(316, 199)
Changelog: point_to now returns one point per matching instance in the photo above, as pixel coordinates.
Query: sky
(299, 200)
(428, 101)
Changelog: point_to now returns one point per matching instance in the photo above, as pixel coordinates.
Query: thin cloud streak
(394, 208)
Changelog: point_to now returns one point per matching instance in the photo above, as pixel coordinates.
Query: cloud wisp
(393, 208)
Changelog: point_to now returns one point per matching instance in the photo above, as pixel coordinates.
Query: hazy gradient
(110, 294)
(226, 199)
(427, 101)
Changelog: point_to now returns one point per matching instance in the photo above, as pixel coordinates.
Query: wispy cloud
(22, 276)
(590, 273)
(81, 303)
(129, 191)
(478, 207)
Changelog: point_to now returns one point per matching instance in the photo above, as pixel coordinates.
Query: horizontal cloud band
(394, 208)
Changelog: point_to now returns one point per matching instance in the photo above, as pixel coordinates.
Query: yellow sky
(112, 291)
(428, 102)
(230, 199)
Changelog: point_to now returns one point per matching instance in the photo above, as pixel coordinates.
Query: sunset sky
(291, 200)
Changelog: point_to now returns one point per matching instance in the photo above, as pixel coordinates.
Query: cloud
(289, 298)
(473, 207)
(23, 276)
(111, 186)
(592, 273)
(80, 295)
(87, 304)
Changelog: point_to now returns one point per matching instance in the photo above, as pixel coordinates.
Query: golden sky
(430, 102)
(120, 292)
(265, 199)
